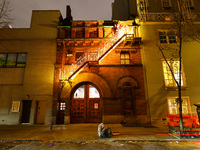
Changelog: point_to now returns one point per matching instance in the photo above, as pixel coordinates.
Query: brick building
(154, 91)
(99, 73)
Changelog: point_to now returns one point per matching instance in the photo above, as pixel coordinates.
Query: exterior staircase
(94, 56)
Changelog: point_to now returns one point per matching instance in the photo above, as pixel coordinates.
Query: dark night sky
(81, 9)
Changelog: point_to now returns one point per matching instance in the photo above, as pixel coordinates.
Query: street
(85, 137)
(100, 145)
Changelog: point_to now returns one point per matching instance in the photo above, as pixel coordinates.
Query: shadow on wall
(158, 105)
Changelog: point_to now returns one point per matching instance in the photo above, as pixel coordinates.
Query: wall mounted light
(27, 96)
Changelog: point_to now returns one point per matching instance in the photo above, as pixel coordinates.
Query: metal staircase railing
(93, 56)
(142, 7)
(184, 7)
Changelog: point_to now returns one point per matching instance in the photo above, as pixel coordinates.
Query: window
(93, 92)
(166, 4)
(80, 33)
(3, 60)
(189, 4)
(93, 33)
(62, 106)
(93, 56)
(167, 37)
(168, 78)
(173, 106)
(12, 60)
(125, 57)
(21, 60)
(79, 54)
(80, 92)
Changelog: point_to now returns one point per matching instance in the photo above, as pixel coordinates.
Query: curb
(103, 141)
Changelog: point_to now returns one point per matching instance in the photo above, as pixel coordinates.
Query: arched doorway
(86, 104)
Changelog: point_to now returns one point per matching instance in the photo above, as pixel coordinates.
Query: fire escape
(65, 74)
(142, 9)
(184, 7)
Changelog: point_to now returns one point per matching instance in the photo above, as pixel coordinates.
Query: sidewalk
(85, 133)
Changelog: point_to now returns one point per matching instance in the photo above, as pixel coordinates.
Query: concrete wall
(152, 59)
(124, 9)
(35, 81)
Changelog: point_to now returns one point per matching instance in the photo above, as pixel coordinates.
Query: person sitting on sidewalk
(104, 132)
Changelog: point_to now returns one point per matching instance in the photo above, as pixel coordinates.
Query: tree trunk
(180, 71)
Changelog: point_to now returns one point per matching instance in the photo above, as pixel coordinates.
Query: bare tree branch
(161, 50)
(5, 10)
(186, 31)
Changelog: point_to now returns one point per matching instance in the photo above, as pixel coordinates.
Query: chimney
(68, 12)
(69, 18)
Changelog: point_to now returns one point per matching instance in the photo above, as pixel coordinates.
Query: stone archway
(94, 78)
(84, 77)
(134, 83)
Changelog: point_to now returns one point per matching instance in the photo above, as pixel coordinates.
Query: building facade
(27, 59)
(99, 73)
(62, 71)
(159, 31)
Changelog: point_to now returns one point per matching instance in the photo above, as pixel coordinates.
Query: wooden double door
(86, 104)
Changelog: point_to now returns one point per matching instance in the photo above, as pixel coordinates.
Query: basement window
(173, 106)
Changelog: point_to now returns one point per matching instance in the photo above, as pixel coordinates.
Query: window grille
(168, 78)
(173, 106)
